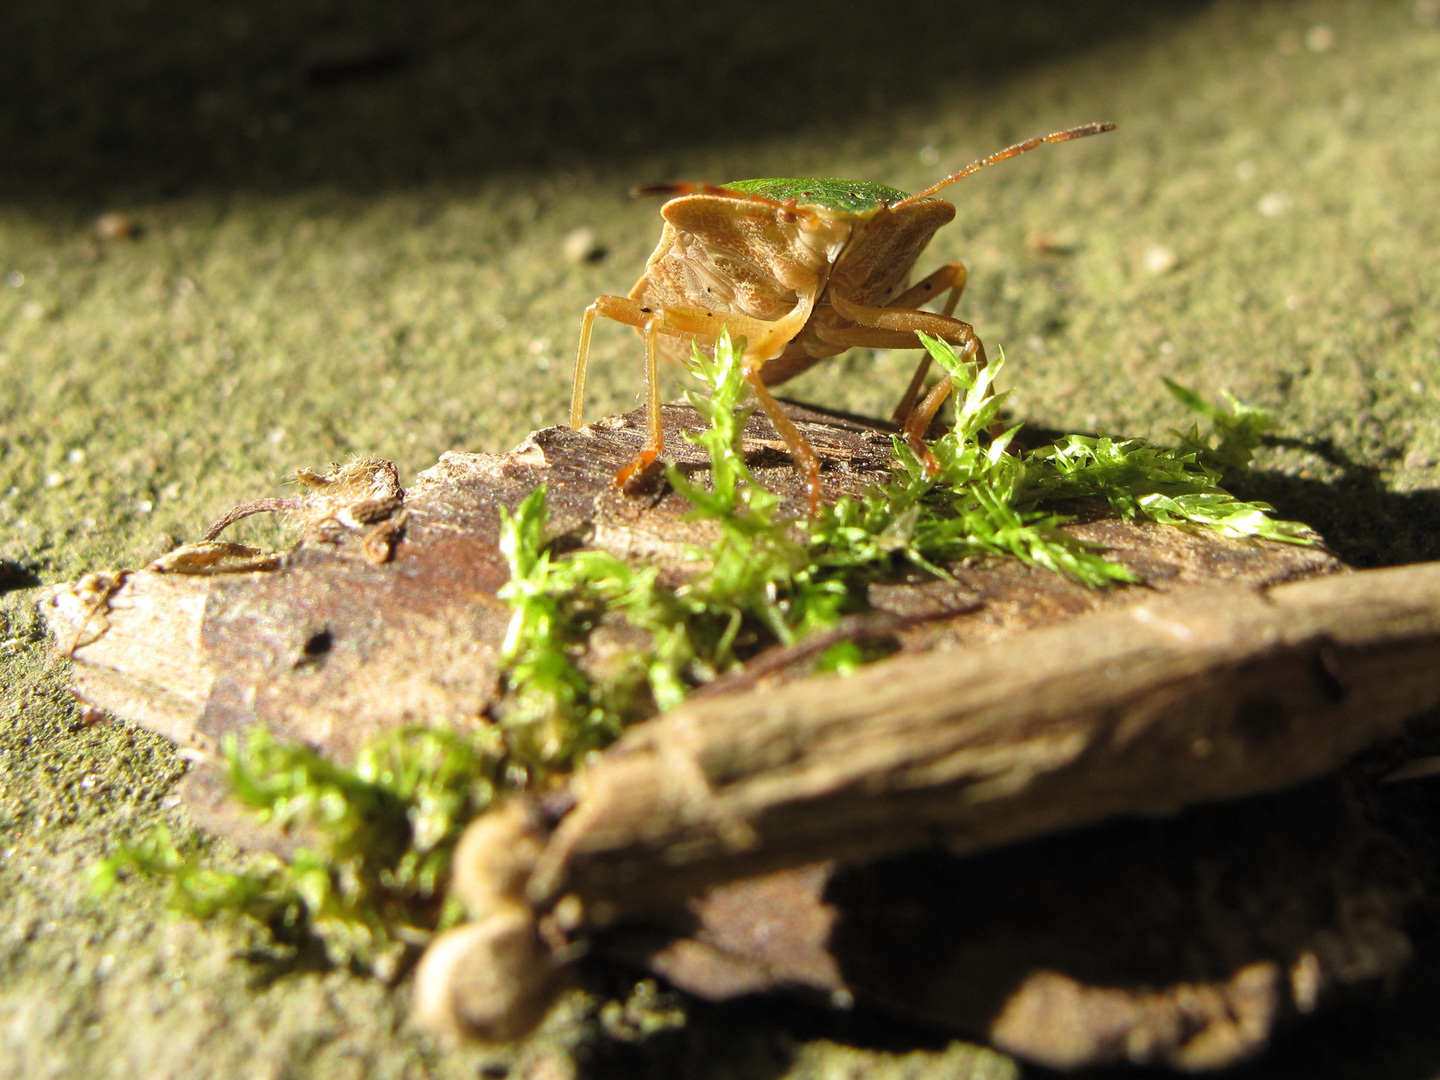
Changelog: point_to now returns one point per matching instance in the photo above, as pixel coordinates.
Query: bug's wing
(736, 257)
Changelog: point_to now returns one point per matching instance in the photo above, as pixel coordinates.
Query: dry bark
(1019, 704)
(1205, 695)
(385, 612)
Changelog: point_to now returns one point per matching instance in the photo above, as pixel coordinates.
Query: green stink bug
(803, 270)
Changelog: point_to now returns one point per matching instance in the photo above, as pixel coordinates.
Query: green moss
(370, 883)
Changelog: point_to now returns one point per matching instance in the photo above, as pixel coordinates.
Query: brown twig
(244, 510)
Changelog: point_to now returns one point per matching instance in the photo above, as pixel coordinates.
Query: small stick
(1214, 693)
(244, 510)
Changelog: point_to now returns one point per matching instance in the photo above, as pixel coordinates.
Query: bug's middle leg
(765, 339)
(654, 428)
(949, 278)
(896, 328)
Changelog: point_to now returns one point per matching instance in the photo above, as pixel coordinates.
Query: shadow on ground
(156, 98)
(1362, 522)
(15, 576)
(1382, 1030)
(757, 1038)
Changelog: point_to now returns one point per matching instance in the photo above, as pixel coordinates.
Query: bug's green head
(840, 196)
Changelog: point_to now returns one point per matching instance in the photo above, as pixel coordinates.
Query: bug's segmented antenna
(1008, 152)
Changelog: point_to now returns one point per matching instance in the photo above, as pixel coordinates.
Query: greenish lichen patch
(321, 291)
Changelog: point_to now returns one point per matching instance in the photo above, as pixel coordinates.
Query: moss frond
(378, 835)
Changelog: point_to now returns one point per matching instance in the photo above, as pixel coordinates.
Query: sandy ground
(350, 237)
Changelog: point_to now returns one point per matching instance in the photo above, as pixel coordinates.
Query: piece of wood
(1018, 704)
(385, 611)
(1183, 941)
(1206, 695)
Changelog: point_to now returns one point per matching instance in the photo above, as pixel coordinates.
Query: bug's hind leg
(949, 278)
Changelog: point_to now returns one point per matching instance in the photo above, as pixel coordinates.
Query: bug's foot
(813, 495)
(641, 474)
(922, 452)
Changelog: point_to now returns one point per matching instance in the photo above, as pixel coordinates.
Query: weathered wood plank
(1018, 705)
(1201, 696)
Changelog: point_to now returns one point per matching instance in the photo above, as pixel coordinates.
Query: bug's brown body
(744, 262)
(802, 270)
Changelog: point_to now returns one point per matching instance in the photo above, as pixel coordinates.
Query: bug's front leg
(651, 322)
(801, 452)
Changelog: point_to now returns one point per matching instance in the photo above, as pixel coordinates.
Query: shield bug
(802, 270)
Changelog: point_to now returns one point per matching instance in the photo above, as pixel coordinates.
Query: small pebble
(581, 246)
(113, 227)
(1044, 243)
(1159, 259)
(1272, 205)
(1320, 38)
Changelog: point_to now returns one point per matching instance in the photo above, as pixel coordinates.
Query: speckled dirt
(348, 231)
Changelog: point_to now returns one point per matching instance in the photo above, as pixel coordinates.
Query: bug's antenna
(1008, 152)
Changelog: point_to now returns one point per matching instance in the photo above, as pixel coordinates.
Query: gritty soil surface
(333, 231)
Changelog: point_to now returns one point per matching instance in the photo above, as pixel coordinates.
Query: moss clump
(369, 882)
(768, 580)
